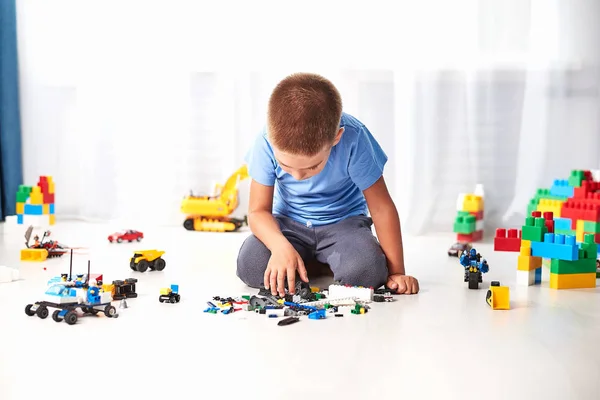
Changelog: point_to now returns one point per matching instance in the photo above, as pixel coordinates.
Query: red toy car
(129, 235)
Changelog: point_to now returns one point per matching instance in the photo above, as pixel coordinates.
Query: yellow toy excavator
(212, 213)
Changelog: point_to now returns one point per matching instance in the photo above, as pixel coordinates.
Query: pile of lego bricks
(310, 302)
(564, 228)
(35, 204)
(468, 224)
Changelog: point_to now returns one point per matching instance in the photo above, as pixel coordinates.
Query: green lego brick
(539, 195)
(570, 232)
(23, 193)
(576, 178)
(465, 224)
(588, 249)
(534, 229)
(585, 266)
(591, 227)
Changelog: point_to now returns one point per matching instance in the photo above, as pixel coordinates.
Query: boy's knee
(252, 261)
(367, 267)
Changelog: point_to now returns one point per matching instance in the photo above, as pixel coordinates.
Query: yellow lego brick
(314, 289)
(165, 291)
(473, 203)
(50, 186)
(573, 281)
(547, 205)
(525, 249)
(52, 219)
(46, 209)
(34, 254)
(528, 263)
(20, 208)
(579, 230)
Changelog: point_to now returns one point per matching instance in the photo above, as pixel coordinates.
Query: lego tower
(468, 224)
(35, 204)
(564, 228)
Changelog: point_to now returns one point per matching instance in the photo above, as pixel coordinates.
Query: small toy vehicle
(128, 235)
(42, 249)
(457, 249)
(498, 297)
(170, 295)
(122, 289)
(144, 259)
(474, 266)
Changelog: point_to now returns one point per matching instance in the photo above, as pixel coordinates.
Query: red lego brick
(510, 241)
(575, 209)
(549, 221)
(536, 214)
(43, 187)
(586, 188)
(48, 198)
(470, 238)
(478, 215)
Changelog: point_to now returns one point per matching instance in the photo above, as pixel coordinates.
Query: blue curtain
(11, 165)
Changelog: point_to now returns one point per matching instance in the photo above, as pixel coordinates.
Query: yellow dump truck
(144, 259)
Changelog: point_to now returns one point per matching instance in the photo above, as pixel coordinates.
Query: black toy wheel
(118, 283)
(139, 239)
(132, 264)
(131, 295)
(188, 224)
(55, 316)
(159, 264)
(160, 299)
(71, 318)
(473, 281)
(42, 312)
(119, 240)
(28, 310)
(173, 300)
(110, 311)
(488, 295)
(142, 266)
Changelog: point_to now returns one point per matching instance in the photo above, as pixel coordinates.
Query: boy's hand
(403, 284)
(283, 263)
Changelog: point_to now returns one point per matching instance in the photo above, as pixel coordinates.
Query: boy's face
(304, 167)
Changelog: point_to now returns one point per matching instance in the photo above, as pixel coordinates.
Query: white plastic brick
(479, 225)
(8, 275)
(37, 221)
(460, 201)
(526, 278)
(341, 292)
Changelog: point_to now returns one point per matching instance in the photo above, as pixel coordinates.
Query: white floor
(444, 343)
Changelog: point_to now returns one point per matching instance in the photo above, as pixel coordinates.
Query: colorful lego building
(35, 204)
(563, 228)
(468, 224)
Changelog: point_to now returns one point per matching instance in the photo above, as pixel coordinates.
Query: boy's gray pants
(348, 247)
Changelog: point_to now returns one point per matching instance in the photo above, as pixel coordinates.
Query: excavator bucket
(28, 233)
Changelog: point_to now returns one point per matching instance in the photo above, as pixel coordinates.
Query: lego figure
(36, 241)
(474, 267)
(93, 293)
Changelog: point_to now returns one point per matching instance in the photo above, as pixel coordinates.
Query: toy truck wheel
(42, 312)
(178, 297)
(473, 281)
(160, 299)
(71, 318)
(110, 311)
(132, 264)
(159, 264)
(55, 316)
(139, 239)
(172, 300)
(28, 310)
(119, 240)
(142, 266)
(188, 224)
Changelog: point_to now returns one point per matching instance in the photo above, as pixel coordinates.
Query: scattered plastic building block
(465, 224)
(556, 246)
(341, 291)
(498, 297)
(507, 241)
(573, 281)
(319, 314)
(563, 224)
(8, 275)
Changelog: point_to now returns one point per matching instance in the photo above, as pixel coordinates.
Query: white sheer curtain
(130, 105)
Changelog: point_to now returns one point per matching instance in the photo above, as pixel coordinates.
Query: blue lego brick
(556, 246)
(562, 224)
(561, 187)
(319, 314)
(51, 208)
(20, 219)
(175, 288)
(34, 209)
(538, 276)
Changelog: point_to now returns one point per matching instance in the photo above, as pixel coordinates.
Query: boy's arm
(387, 224)
(260, 216)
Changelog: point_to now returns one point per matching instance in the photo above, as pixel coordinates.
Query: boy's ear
(338, 136)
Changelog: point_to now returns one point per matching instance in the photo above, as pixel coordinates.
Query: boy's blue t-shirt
(335, 193)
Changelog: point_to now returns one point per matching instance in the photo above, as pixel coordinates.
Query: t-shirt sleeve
(261, 161)
(367, 160)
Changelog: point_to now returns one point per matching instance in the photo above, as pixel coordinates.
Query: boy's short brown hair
(304, 114)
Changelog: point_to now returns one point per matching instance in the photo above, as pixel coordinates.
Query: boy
(316, 173)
